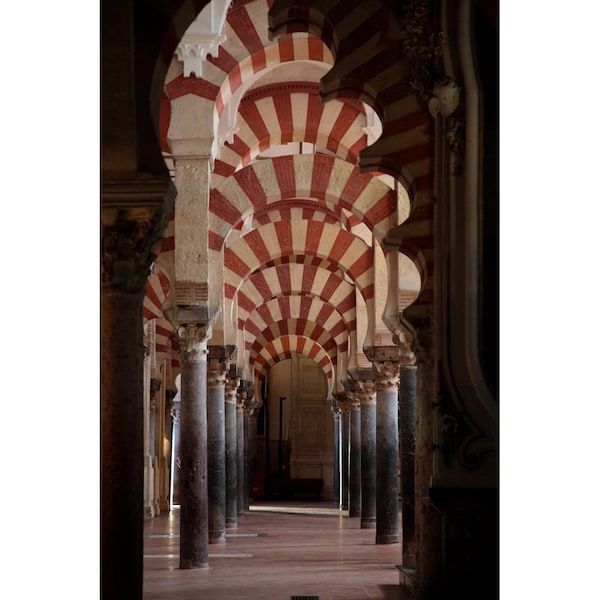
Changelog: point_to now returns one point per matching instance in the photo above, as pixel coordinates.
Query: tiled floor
(308, 550)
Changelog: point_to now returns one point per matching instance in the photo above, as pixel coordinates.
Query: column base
(387, 539)
(368, 524)
(188, 563)
(231, 523)
(217, 538)
(148, 512)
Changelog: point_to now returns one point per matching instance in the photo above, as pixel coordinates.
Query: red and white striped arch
(294, 114)
(157, 290)
(285, 347)
(262, 323)
(320, 177)
(259, 246)
(308, 307)
(370, 65)
(293, 327)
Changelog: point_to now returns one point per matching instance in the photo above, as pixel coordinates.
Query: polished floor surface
(276, 552)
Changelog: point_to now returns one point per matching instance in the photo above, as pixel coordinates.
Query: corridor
(277, 551)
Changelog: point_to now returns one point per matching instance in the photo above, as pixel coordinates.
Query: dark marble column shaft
(387, 524)
(345, 452)
(408, 423)
(231, 452)
(176, 452)
(218, 365)
(336, 455)
(367, 395)
(240, 459)
(354, 505)
(122, 444)
(250, 417)
(193, 541)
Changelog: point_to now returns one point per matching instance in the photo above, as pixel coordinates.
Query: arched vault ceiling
(329, 180)
(259, 246)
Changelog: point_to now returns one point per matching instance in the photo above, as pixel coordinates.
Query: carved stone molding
(192, 341)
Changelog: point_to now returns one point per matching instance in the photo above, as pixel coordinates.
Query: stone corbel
(195, 48)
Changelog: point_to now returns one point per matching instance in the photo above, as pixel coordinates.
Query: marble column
(176, 452)
(148, 456)
(408, 422)
(367, 396)
(241, 454)
(355, 501)
(250, 409)
(336, 452)
(344, 407)
(193, 540)
(231, 450)
(129, 236)
(386, 368)
(218, 365)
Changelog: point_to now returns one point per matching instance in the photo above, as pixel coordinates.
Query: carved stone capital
(217, 371)
(386, 362)
(128, 249)
(231, 386)
(366, 392)
(192, 338)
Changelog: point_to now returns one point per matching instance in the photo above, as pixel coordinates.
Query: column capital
(219, 358)
(386, 362)
(366, 391)
(192, 338)
(231, 386)
(128, 246)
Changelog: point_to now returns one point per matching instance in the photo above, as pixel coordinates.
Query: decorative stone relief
(445, 98)
(387, 373)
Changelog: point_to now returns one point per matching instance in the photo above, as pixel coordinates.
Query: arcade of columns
(318, 174)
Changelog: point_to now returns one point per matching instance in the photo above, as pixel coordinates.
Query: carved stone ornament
(127, 250)
(217, 372)
(387, 373)
(366, 392)
(231, 386)
(192, 339)
(404, 341)
(445, 98)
